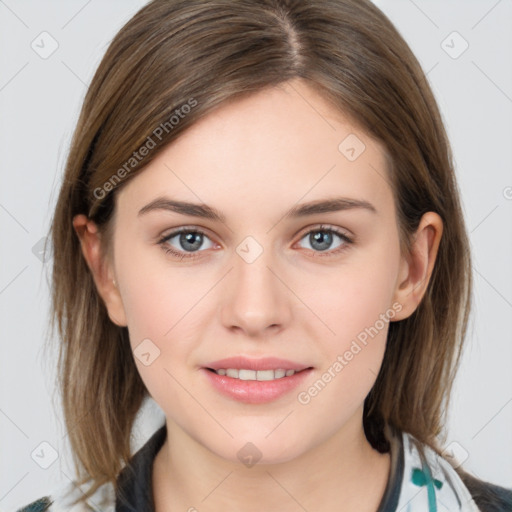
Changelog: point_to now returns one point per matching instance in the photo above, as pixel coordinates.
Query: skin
(253, 160)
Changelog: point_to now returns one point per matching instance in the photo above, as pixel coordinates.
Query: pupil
(322, 238)
(193, 239)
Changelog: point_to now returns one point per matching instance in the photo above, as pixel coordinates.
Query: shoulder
(40, 505)
(452, 483)
(64, 499)
(488, 497)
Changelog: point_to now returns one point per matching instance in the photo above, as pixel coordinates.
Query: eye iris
(195, 239)
(323, 238)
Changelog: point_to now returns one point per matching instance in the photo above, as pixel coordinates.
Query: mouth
(258, 375)
(255, 381)
(261, 369)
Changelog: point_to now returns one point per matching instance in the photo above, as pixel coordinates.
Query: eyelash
(192, 255)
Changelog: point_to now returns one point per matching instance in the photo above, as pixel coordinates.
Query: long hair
(172, 64)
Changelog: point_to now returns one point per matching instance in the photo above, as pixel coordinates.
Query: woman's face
(274, 277)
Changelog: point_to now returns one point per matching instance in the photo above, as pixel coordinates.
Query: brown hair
(203, 54)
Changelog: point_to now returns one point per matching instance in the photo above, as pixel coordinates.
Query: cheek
(162, 308)
(354, 296)
(158, 298)
(354, 306)
(169, 309)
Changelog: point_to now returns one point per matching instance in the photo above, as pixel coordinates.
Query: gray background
(39, 104)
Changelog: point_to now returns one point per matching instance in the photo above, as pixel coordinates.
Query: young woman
(259, 227)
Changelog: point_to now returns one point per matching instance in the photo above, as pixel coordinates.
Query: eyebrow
(303, 210)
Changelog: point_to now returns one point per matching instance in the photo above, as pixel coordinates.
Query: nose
(256, 301)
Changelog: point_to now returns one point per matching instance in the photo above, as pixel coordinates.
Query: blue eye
(190, 242)
(321, 239)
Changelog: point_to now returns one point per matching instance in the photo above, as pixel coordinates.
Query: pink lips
(266, 363)
(254, 391)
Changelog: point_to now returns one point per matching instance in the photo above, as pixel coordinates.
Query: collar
(135, 488)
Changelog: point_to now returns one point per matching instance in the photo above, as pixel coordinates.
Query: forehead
(266, 151)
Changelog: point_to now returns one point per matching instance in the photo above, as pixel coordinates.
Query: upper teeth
(255, 374)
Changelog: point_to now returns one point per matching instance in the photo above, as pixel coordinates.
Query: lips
(266, 363)
(255, 381)
(255, 391)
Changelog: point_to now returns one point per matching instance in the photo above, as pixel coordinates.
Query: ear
(100, 267)
(416, 267)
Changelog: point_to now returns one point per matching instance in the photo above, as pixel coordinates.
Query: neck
(343, 472)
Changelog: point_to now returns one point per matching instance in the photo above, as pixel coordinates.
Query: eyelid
(347, 238)
(326, 227)
(186, 229)
(182, 255)
(171, 232)
(304, 231)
